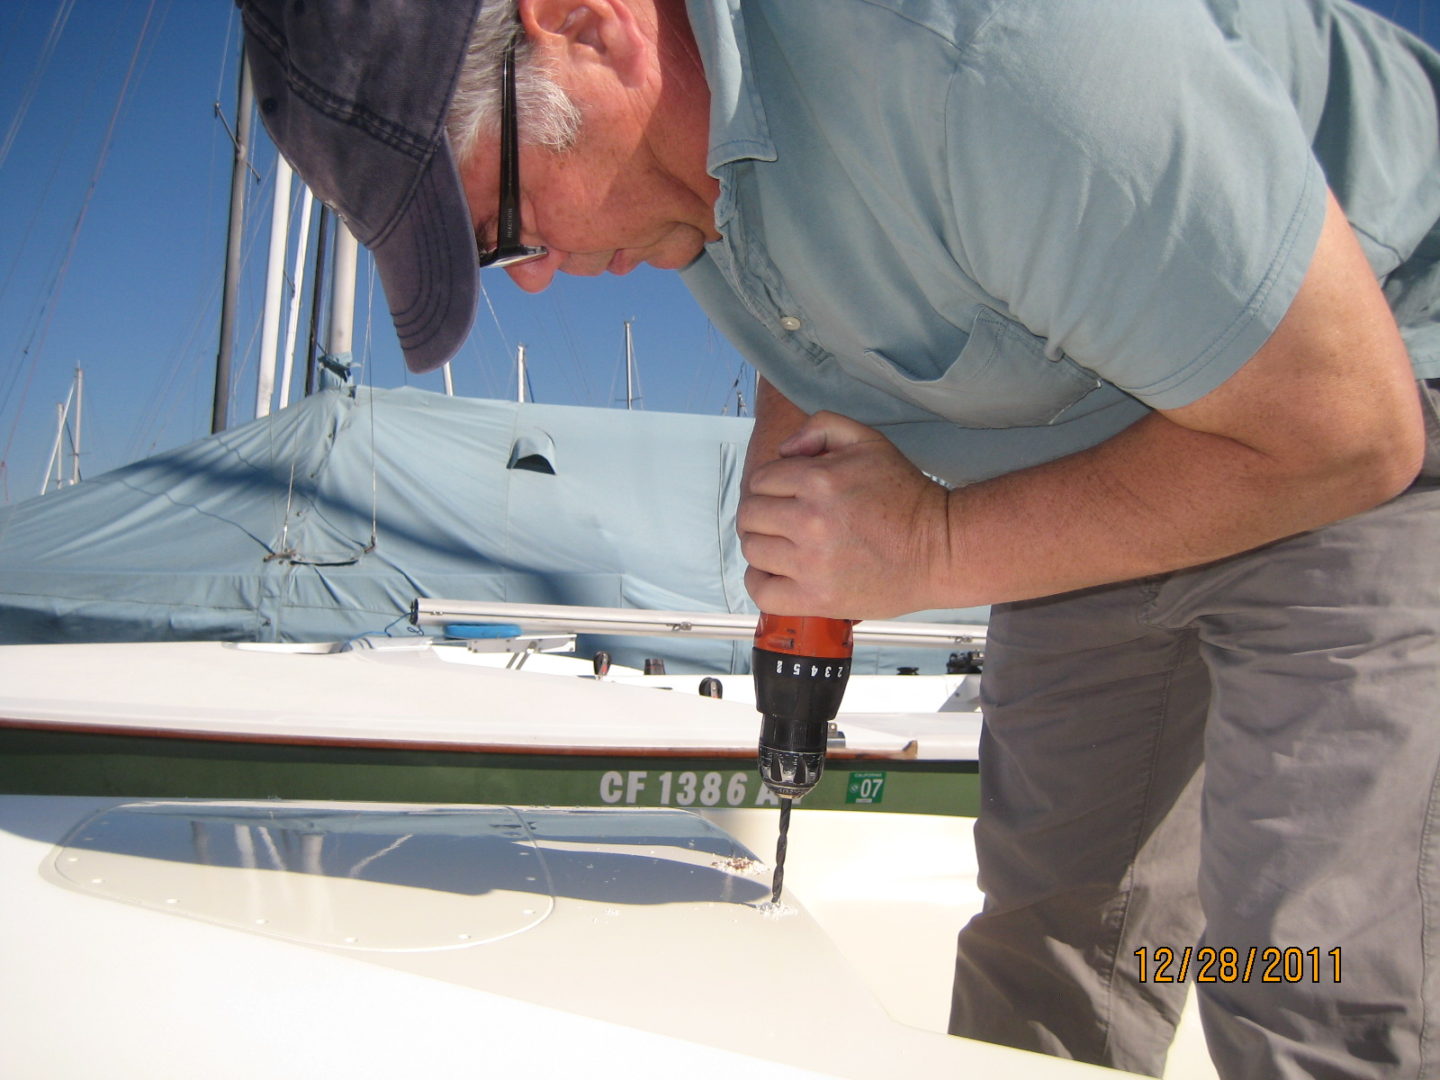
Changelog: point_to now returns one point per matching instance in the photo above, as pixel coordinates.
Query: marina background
(115, 163)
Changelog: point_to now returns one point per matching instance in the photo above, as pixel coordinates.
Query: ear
(587, 32)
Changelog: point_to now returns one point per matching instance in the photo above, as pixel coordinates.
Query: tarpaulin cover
(325, 520)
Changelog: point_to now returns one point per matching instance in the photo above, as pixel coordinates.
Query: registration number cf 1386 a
(645, 787)
(639, 787)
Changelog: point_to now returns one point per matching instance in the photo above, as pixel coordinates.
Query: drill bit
(778, 879)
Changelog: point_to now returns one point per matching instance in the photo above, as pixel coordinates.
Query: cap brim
(427, 263)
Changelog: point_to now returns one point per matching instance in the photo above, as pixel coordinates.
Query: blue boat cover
(325, 520)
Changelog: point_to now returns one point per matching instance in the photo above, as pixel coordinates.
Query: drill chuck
(790, 773)
(801, 666)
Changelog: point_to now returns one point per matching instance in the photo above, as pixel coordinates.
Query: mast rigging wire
(33, 347)
(42, 62)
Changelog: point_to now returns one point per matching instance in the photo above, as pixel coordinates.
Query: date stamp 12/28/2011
(1256, 963)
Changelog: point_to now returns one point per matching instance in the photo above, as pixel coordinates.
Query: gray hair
(547, 115)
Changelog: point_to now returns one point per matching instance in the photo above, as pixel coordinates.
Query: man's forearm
(776, 419)
(1158, 497)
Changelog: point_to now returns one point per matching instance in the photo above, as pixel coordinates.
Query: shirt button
(790, 322)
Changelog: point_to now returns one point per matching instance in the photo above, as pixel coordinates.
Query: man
(1082, 262)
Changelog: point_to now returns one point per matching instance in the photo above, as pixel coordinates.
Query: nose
(535, 276)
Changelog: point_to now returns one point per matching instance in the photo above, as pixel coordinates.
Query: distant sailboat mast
(67, 433)
(630, 396)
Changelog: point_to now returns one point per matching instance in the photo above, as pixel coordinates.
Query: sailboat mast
(317, 295)
(65, 432)
(629, 365)
(297, 275)
(274, 288)
(341, 334)
(79, 409)
(53, 469)
(219, 416)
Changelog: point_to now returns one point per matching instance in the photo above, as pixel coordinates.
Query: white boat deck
(420, 696)
(151, 940)
(277, 939)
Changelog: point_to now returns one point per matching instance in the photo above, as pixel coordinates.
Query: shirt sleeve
(1133, 182)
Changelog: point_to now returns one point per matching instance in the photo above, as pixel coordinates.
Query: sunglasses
(508, 249)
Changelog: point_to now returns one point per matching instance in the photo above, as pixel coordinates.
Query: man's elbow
(1349, 462)
(1383, 465)
(1401, 461)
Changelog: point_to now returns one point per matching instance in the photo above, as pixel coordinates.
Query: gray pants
(1238, 757)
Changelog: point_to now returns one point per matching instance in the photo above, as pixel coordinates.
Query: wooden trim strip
(907, 752)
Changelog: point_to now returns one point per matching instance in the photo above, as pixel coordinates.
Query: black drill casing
(797, 697)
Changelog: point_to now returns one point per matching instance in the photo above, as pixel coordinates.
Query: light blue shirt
(1001, 231)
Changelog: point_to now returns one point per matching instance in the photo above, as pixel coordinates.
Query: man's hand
(842, 525)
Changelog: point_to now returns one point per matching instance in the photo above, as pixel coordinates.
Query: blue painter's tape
(482, 630)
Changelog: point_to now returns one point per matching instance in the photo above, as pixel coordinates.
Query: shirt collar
(737, 116)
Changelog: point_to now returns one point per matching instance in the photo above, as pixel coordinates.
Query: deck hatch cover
(390, 880)
(396, 879)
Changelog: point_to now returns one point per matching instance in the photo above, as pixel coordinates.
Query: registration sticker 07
(865, 787)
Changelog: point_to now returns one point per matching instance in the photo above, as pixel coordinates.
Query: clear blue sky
(114, 183)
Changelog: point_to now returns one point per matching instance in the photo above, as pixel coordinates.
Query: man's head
(390, 111)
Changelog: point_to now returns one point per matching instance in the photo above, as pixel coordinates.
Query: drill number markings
(641, 787)
(797, 668)
(1270, 964)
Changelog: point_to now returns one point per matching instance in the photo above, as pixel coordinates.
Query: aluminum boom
(560, 618)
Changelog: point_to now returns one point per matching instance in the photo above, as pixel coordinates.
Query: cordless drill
(801, 665)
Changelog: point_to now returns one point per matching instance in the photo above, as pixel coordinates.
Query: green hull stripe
(70, 763)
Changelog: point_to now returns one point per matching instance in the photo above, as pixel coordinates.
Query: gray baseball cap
(354, 93)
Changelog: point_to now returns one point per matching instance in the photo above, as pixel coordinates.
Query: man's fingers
(807, 479)
(823, 432)
(773, 513)
(773, 554)
(782, 595)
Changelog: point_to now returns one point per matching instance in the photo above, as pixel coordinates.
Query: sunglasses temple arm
(508, 227)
